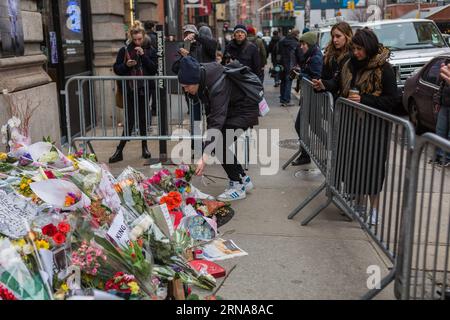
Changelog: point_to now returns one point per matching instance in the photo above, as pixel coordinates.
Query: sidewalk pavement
(326, 260)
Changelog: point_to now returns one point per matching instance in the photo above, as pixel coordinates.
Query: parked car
(418, 94)
(413, 42)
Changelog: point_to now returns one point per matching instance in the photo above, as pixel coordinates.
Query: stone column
(27, 82)
(147, 10)
(108, 35)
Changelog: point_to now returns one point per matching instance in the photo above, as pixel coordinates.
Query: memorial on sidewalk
(69, 229)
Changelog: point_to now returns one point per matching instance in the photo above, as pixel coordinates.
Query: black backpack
(245, 80)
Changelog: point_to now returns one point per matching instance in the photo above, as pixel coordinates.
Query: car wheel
(414, 117)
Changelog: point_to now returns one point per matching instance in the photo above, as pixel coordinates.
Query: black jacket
(246, 53)
(148, 61)
(225, 104)
(204, 49)
(272, 49)
(332, 69)
(290, 53)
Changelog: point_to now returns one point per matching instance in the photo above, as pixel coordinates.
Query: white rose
(4, 141)
(4, 130)
(5, 91)
(27, 249)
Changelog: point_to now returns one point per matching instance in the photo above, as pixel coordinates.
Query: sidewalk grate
(292, 144)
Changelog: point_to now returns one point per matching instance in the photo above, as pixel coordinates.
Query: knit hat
(190, 28)
(251, 30)
(189, 72)
(309, 38)
(240, 27)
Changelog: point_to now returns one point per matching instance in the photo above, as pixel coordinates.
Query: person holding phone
(311, 69)
(138, 58)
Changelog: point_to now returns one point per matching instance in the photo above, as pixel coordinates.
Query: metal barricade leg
(288, 163)
(307, 201)
(383, 284)
(317, 212)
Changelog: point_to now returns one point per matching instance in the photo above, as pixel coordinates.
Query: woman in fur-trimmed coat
(364, 156)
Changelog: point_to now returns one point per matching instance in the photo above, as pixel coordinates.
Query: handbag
(119, 93)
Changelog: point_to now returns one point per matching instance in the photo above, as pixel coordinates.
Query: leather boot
(118, 155)
(145, 153)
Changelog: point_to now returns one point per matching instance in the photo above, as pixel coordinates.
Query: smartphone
(187, 45)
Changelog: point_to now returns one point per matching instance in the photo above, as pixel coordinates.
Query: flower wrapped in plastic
(14, 274)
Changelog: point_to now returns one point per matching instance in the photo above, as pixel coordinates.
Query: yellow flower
(65, 287)
(42, 244)
(3, 156)
(20, 243)
(134, 287)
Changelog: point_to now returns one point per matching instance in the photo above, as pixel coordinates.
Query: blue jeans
(443, 128)
(285, 89)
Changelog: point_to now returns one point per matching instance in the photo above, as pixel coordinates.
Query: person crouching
(228, 110)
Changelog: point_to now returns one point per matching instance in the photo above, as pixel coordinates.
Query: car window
(431, 74)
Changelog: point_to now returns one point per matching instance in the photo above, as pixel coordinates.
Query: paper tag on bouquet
(119, 231)
(263, 108)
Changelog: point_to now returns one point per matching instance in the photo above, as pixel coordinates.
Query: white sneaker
(247, 182)
(235, 192)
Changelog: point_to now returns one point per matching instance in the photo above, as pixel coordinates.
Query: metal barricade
(316, 119)
(423, 260)
(98, 119)
(370, 173)
(315, 125)
(370, 154)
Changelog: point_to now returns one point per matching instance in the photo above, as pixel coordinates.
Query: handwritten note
(15, 213)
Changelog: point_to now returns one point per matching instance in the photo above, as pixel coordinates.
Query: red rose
(191, 201)
(59, 238)
(49, 230)
(179, 173)
(64, 227)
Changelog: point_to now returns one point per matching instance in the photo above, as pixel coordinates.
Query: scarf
(365, 75)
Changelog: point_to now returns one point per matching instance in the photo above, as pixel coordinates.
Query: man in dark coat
(273, 52)
(228, 110)
(243, 50)
(290, 56)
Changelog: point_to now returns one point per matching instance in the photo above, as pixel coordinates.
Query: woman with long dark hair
(369, 79)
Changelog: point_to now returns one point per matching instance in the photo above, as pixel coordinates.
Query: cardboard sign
(15, 214)
(119, 231)
(163, 220)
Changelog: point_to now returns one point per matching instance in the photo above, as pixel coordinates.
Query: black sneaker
(302, 160)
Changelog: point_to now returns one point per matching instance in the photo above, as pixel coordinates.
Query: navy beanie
(189, 72)
(240, 27)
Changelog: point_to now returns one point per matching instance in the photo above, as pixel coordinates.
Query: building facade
(45, 42)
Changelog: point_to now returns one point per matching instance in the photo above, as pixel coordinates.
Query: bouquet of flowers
(123, 285)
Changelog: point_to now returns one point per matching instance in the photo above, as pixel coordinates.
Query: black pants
(297, 128)
(129, 126)
(228, 158)
(233, 169)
